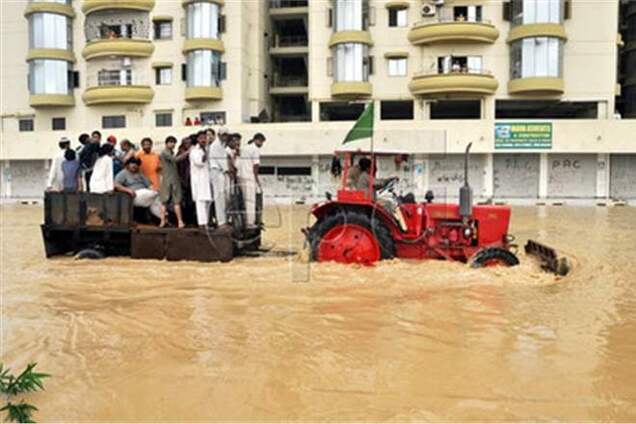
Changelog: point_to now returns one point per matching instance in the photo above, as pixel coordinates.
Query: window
(163, 119)
(117, 121)
(116, 31)
(48, 76)
(114, 77)
(163, 76)
(25, 124)
(537, 11)
(397, 66)
(536, 57)
(293, 170)
(340, 111)
(58, 124)
(393, 110)
(204, 69)
(398, 17)
(212, 118)
(467, 13)
(351, 62)
(203, 20)
(461, 64)
(49, 31)
(163, 30)
(349, 15)
(545, 109)
(456, 109)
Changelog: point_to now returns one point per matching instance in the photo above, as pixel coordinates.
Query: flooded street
(264, 339)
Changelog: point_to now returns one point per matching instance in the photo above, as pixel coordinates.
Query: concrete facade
(602, 146)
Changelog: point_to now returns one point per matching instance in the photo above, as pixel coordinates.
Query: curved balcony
(203, 44)
(360, 37)
(351, 89)
(43, 7)
(187, 2)
(54, 54)
(194, 94)
(51, 100)
(453, 31)
(118, 47)
(478, 82)
(537, 30)
(536, 86)
(90, 6)
(118, 94)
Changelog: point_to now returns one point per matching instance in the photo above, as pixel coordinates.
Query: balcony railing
(279, 4)
(462, 70)
(290, 41)
(289, 81)
(448, 15)
(116, 77)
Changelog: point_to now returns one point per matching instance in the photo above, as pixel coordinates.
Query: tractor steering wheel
(388, 186)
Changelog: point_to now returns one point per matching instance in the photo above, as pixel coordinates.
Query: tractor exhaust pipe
(466, 192)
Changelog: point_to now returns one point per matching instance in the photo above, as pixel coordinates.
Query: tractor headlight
(468, 232)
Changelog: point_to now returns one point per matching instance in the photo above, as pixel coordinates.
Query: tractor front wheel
(494, 256)
(351, 237)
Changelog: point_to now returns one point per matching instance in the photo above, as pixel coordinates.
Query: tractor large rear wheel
(351, 237)
(494, 256)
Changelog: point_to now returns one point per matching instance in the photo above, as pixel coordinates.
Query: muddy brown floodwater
(264, 339)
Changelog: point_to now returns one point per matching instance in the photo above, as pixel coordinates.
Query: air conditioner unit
(438, 2)
(428, 10)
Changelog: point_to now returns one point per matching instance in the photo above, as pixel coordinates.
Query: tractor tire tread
(485, 255)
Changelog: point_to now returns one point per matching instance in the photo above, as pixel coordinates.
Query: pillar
(315, 111)
(315, 173)
(489, 188)
(603, 176)
(543, 175)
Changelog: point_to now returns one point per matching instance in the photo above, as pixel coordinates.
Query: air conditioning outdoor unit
(438, 2)
(428, 10)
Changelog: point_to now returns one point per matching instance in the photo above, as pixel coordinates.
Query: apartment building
(543, 88)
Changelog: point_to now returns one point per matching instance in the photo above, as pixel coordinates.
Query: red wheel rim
(349, 243)
(494, 262)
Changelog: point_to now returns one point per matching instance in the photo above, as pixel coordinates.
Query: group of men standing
(206, 169)
(220, 164)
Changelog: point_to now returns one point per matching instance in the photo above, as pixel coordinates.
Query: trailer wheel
(90, 254)
(494, 256)
(351, 237)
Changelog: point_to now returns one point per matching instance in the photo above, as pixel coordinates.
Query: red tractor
(369, 222)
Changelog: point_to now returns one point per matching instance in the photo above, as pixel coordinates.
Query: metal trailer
(97, 225)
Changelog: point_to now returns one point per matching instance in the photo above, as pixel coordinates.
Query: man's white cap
(223, 130)
(65, 140)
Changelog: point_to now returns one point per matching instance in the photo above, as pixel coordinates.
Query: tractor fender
(323, 209)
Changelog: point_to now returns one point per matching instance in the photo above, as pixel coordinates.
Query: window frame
(26, 124)
(58, 119)
(405, 61)
(114, 118)
(161, 121)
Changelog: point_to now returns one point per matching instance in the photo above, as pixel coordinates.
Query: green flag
(363, 128)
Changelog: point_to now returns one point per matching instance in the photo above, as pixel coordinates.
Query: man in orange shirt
(150, 163)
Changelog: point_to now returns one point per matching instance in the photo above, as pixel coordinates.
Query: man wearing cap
(219, 166)
(55, 182)
(248, 163)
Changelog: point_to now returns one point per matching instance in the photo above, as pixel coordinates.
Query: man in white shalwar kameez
(218, 162)
(55, 182)
(200, 180)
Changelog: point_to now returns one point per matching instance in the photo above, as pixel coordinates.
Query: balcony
(359, 37)
(289, 45)
(49, 7)
(117, 86)
(90, 6)
(118, 47)
(51, 100)
(351, 89)
(288, 8)
(203, 44)
(202, 94)
(453, 31)
(536, 86)
(470, 82)
(289, 85)
(537, 30)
